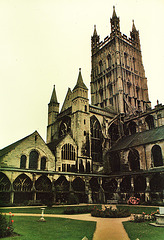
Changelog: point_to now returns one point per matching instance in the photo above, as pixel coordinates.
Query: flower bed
(110, 213)
(143, 217)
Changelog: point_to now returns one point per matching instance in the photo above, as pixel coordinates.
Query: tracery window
(96, 140)
(68, 152)
(33, 159)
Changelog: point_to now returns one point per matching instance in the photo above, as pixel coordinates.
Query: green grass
(138, 209)
(143, 231)
(54, 228)
(48, 210)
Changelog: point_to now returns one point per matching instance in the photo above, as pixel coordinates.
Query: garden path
(106, 228)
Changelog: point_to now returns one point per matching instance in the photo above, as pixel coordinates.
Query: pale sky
(45, 42)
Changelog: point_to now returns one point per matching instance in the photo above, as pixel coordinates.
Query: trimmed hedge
(110, 213)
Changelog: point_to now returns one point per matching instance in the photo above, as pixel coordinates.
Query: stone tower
(117, 72)
(53, 111)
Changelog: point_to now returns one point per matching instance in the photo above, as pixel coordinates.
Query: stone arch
(157, 183)
(109, 185)
(150, 121)
(132, 126)
(22, 183)
(94, 184)
(22, 186)
(23, 161)
(43, 184)
(96, 139)
(157, 156)
(33, 159)
(78, 184)
(125, 185)
(61, 184)
(5, 185)
(139, 184)
(133, 159)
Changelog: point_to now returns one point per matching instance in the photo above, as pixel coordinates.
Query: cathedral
(105, 151)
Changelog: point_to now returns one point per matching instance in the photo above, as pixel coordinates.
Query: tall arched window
(133, 158)
(150, 121)
(157, 156)
(23, 161)
(132, 127)
(68, 152)
(43, 163)
(96, 140)
(33, 159)
(109, 61)
(65, 126)
(113, 132)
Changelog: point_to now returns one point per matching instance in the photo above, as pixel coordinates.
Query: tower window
(84, 122)
(85, 108)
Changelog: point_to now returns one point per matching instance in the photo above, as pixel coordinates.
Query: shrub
(6, 227)
(78, 210)
(110, 213)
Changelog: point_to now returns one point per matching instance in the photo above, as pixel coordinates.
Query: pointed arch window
(33, 159)
(68, 152)
(23, 162)
(109, 61)
(150, 121)
(96, 140)
(43, 163)
(157, 156)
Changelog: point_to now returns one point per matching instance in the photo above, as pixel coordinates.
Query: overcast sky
(45, 42)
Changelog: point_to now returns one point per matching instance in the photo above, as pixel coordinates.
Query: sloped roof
(9, 148)
(149, 136)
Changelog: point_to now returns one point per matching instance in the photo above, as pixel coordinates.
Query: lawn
(48, 210)
(143, 231)
(53, 228)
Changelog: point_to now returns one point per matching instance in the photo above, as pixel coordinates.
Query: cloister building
(112, 148)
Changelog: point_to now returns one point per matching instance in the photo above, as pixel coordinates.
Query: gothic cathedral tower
(117, 74)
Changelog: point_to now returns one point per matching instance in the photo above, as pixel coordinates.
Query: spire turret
(80, 83)
(115, 24)
(135, 35)
(53, 96)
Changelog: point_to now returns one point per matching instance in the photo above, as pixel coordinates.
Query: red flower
(12, 220)
(9, 212)
(12, 215)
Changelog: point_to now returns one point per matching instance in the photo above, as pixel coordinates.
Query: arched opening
(109, 62)
(157, 156)
(139, 184)
(157, 183)
(95, 189)
(22, 187)
(133, 159)
(23, 162)
(44, 189)
(33, 159)
(43, 163)
(62, 189)
(4, 188)
(132, 127)
(79, 187)
(125, 185)
(96, 140)
(150, 121)
(109, 186)
(113, 133)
